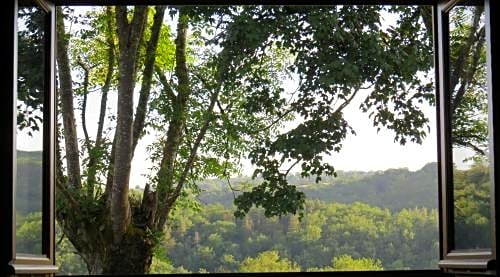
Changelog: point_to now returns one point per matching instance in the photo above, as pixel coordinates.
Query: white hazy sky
(367, 151)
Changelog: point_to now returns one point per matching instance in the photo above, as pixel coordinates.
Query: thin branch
(190, 161)
(84, 103)
(61, 239)
(469, 71)
(274, 122)
(67, 195)
(110, 175)
(292, 166)
(458, 65)
(109, 75)
(471, 145)
(233, 190)
(67, 109)
(167, 87)
(92, 170)
(346, 102)
(152, 45)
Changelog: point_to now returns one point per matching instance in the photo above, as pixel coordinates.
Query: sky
(365, 151)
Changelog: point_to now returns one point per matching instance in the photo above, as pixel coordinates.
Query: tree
(268, 261)
(406, 239)
(215, 95)
(28, 231)
(469, 103)
(469, 107)
(472, 206)
(347, 263)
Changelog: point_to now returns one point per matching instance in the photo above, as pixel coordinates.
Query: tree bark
(175, 128)
(92, 170)
(67, 108)
(129, 35)
(147, 76)
(459, 65)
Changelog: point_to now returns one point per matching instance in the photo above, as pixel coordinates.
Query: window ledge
(33, 268)
(468, 266)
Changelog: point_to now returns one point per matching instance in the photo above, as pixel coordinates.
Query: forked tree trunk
(108, 240)
(118, 239)
(133, 255)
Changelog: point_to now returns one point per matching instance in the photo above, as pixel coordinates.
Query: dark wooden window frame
(27, 263)
(463, 260)
(452, 261)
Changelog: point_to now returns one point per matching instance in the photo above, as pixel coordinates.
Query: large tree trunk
(115, 238)
(67, 108)
(132, 246)
(129, 35)
(133, 256)
(89, 223)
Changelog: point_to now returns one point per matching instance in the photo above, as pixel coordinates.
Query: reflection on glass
(469, 110)
(31, 60)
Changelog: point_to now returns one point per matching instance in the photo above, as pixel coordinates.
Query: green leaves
(274, 194)
(335, 52)
(268, 261)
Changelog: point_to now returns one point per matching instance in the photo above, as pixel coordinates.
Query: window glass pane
(469, 129)
(29, 140)
(331, 108)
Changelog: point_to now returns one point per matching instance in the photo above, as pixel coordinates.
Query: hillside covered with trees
(343, 226)
(393, 189)
(335, 232)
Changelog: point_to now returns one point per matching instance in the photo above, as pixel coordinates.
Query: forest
(336, 232)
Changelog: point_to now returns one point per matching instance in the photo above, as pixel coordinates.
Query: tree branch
(469, 71)
(192, 156)
(458, 66)
(84, 103)
(174, 133)
(91, 176)
(67, 109)
(109, 74)
(346, 102)
(141, 109)
(167, 88)
(129, 36)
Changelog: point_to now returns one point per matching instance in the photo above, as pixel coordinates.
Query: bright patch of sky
(368, 150)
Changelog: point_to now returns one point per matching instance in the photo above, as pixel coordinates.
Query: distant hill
(393, 188)
(29, 178)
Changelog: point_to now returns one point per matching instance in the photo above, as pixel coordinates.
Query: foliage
(31, 61)
(215, 241)
(268, 261)
(68, 261)
(336, 52)
(472, 194)
(211, 93)
(469, 103)
(29, 233)
(347, 263)
(394, 189)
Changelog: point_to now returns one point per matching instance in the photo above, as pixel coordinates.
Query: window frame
(45, 262)
(481, 261)
(25, 265)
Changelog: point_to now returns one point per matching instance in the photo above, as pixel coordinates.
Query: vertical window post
(467, 122)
